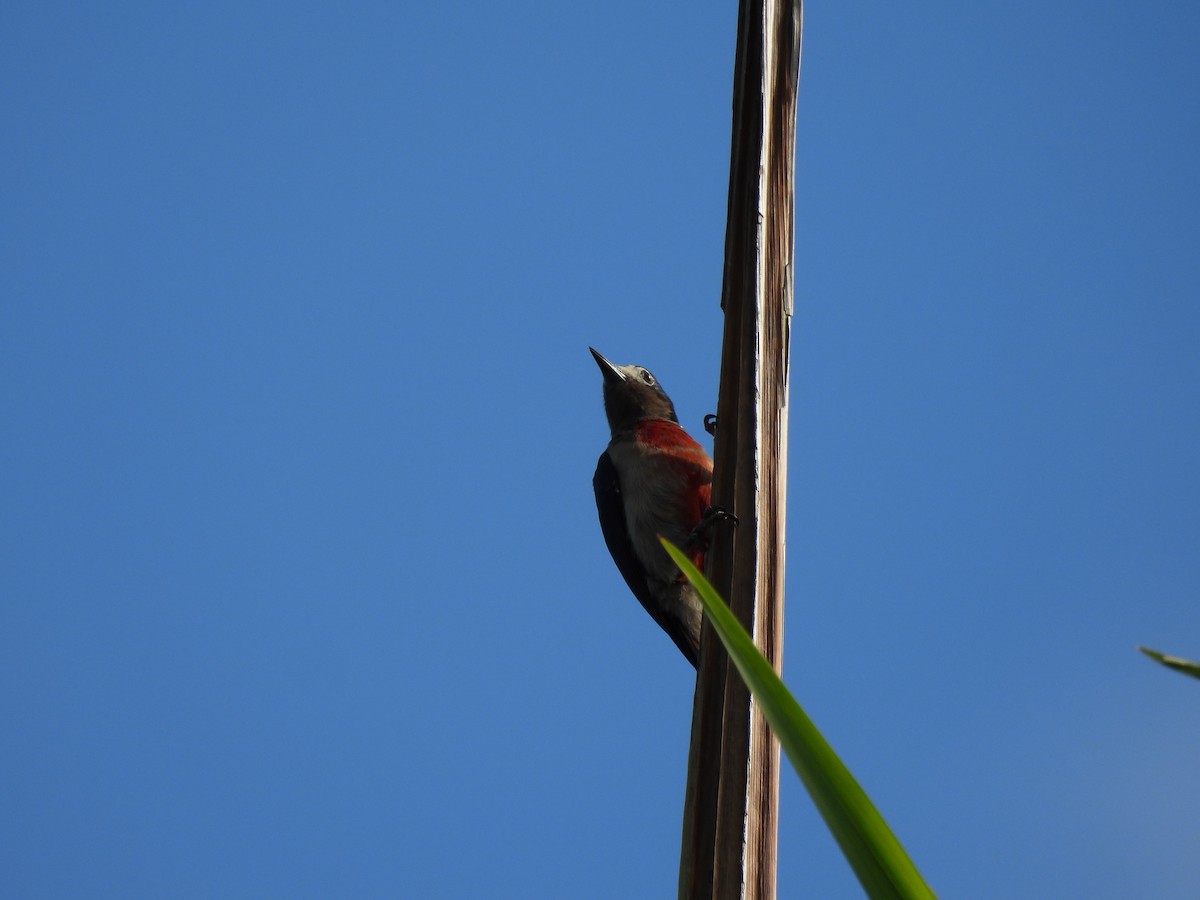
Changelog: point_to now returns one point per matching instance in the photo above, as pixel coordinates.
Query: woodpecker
(652, 480)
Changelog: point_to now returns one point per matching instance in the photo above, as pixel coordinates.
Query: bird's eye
(646, 376)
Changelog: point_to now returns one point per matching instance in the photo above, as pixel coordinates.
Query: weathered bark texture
(730, 814)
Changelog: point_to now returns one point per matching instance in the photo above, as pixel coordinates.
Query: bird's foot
(710, 424)
(698, 540)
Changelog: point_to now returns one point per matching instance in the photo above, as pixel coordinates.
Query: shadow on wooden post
(730, 812)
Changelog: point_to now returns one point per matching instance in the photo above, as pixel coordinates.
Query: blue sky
(300, 424)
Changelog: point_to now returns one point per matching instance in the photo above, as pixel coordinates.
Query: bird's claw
(714, 514)
(710, 424)
(698, 539)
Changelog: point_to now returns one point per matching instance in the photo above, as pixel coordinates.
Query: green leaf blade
(1179, 664)
(876, 856)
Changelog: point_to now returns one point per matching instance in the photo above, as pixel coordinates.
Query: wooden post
(730, 813)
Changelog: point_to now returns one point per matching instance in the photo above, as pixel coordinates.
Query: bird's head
(632, 394)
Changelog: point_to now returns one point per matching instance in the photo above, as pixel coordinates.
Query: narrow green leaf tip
(1179, 664)
(877, 858)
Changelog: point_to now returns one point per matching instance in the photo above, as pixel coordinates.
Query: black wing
(611, 507)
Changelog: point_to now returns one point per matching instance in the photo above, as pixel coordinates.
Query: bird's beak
(611, 372)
